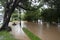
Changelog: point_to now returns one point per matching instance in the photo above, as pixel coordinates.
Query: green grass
(4, 35)
(31, 35)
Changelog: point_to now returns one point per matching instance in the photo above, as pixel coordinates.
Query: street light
(19, 14)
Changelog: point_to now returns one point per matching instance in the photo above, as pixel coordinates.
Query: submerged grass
(31, 35)
(4, 35)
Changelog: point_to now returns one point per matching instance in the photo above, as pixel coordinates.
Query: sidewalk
(18, 33)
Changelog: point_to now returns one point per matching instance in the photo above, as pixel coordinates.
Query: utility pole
(19, 14)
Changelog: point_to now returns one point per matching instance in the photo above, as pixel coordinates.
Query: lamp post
(19, 14)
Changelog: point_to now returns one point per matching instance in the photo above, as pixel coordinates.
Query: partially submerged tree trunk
(7, 15)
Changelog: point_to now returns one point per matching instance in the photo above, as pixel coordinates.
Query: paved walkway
(18, 33)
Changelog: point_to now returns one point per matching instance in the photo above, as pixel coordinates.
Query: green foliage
(49, 15)
(4, 35)
(14, 16)
(32, 15)
(25, 4)
(53, 12)
(31, 35)
(3, 2)
(22, 16)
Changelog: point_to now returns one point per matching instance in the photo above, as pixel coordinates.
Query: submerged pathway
(42, 30)
(18, 33)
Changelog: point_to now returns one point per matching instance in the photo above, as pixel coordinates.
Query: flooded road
(42, 30)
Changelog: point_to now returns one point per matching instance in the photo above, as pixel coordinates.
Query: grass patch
(31, 35)
(4, 35)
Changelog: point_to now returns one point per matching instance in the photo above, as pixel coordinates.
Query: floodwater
(43, 30)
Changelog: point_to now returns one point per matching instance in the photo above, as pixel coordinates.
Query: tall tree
(32, 16)
(10, 6)
(53, 10)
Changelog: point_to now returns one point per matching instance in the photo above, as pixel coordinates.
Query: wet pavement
(42, 30)
(18, 33)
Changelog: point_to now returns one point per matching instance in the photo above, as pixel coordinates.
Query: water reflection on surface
(45, 31)
(18, 33)
(58, 27)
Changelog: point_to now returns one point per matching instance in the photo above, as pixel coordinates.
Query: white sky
(45, 6)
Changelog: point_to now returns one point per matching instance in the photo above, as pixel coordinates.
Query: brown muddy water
(42, 30)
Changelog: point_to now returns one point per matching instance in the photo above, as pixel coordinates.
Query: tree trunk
(7, 15)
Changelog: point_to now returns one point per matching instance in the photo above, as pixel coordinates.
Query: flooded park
(43, 30)
(30, 19)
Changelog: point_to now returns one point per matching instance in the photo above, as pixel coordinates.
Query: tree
(49, 15)
(53, 12)
(10, 6)
(32, 16)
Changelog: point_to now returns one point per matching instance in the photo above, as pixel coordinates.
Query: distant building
(1, 15)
